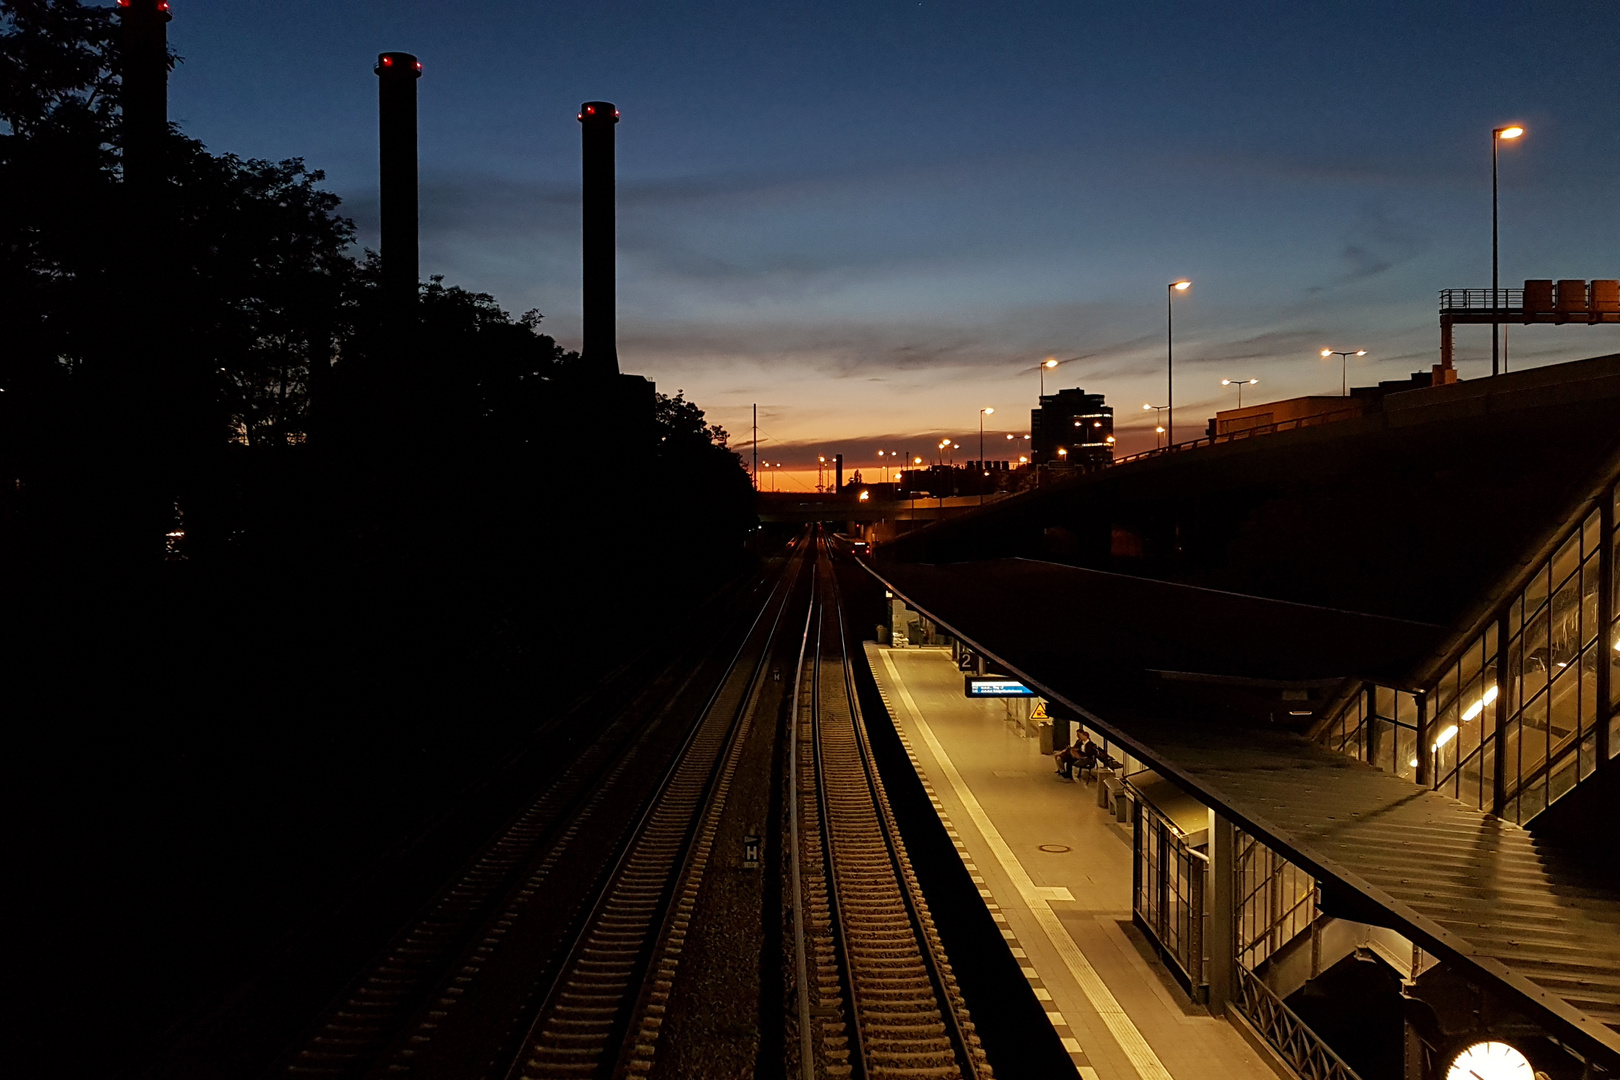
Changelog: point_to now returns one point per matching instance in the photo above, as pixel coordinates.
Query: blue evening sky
(874, 218)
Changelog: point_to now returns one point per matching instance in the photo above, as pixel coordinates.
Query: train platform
(1055, 869)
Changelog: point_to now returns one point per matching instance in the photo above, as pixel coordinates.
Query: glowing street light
(1169, 351)
(1158, 420)
(1240, 384)
(1344, 366)
(982, 472)
(1046, 365)
(1512, 131)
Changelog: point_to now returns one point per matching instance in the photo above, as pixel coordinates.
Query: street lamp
(1158, 420)
(1047, 364)
(821, 471)
(1512, 131)
(1240, 384)
(1344, 366)
(982, 414)
(1169, 353)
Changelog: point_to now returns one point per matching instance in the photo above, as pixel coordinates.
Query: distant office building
(1072, 427)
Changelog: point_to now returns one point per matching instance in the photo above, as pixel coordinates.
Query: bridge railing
(1481, 299)
(1286, 1033)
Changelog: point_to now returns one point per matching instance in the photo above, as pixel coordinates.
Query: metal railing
(1287, 1034)
(1481, 299)
(1259, 429)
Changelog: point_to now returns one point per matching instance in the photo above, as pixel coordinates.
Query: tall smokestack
(146, 87)
(397, 73)
(601, 351)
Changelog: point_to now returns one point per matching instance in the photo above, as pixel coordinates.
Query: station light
(1476, 708)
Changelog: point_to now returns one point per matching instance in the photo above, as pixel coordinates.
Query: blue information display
(995, 686)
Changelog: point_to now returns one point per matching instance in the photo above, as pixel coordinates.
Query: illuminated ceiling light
(1477, 707)
(1446, 736)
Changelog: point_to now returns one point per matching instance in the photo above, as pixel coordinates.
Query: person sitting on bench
(1082, 753)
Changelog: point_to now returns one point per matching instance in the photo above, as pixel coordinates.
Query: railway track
(603, 1014)
(453, 988)
(876, 997)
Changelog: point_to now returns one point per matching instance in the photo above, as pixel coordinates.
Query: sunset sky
(875, 218)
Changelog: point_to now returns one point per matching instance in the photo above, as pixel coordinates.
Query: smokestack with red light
(600, 352)
(397, 73)
(145, 87)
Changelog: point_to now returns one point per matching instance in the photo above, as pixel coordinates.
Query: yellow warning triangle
(1040, 712)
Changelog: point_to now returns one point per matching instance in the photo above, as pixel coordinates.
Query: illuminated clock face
(1490, 1061)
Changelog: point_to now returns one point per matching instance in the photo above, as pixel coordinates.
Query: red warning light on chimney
(419, 65)
(388, 61)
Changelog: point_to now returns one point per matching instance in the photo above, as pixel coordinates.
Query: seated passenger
(1082, 754)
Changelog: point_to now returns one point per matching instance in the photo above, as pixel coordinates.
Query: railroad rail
(876, 997)
(603, 1012)
(461, 978)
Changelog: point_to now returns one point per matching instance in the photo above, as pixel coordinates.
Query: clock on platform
(1490, 1061)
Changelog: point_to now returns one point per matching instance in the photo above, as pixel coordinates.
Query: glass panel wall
(1378, 725)
(1275, 901)
(1552, 710)
(1169, 903)
(1530, 689)
(1464, 724)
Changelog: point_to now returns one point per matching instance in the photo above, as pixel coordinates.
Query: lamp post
(982, 473)
(821, 471)
(1240, 384)
(1046, 365)
(1169, 354)
(1158, 420)
(1512, 131)
(1344, 366)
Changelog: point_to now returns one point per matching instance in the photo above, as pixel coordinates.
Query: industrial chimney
(397, 73)
(146, 87)
(600, 352)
